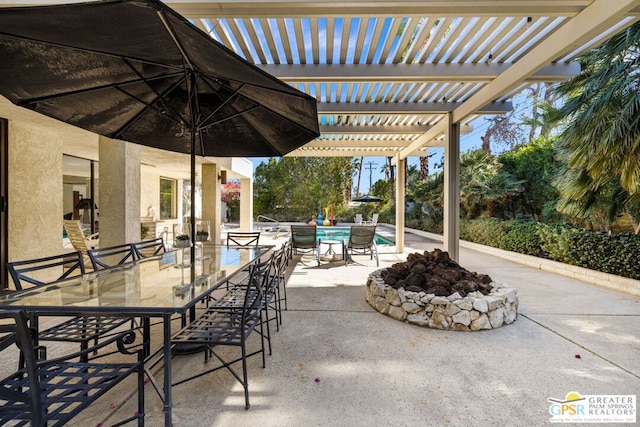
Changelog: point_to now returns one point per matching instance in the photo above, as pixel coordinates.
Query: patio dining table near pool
(156, 287)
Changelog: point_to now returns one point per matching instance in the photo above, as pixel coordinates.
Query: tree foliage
(601, 143)
(294, 188)
(482, 182)
(535, 165)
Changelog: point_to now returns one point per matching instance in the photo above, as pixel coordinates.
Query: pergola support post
(400, 202)
(451, 232)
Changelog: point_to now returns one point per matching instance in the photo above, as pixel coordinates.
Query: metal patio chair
(243, 238)
(266, 273)
(229, 325)
(111, 256)
(53, 392)
(48, 270)
(304, 240)
(149, 248)
(362, 241)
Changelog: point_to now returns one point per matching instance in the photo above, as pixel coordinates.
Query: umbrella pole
(193, 118)
(192, 221)
(184, 348)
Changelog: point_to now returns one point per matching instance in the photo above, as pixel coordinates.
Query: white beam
(593, 20)
(433, 133)
(381, 130)
(363, 8)
(420, 73)
(406, 107)
(374, 152)
(349, 144)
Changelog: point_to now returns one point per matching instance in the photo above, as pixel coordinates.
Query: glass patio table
(153, 287)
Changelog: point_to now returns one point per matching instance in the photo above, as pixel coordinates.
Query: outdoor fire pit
(433, 291)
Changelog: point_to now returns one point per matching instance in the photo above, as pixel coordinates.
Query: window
(168, 198)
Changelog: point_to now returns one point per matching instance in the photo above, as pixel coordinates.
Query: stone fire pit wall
(474, 312)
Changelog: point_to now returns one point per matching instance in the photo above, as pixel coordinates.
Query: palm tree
(357, 164)
(482, 180)
(601, 143)
(602, 137)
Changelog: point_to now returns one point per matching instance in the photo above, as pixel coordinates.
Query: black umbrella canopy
(138, 71)
(367, 198)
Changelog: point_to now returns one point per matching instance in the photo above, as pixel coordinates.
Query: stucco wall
(119, 188)
(149, 191)
(35, 191)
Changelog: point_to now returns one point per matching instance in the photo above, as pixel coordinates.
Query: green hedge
(523, 237)
(610, 253)
(486, 231)
(615, 254)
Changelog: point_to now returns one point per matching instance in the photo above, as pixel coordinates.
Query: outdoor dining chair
(111, 256)
(149, 248)
(266, 272)
(282, 261)
(361, 242)
(243, 238)
(230, 326)
(52, 392)
(48, 270)
(41, 271)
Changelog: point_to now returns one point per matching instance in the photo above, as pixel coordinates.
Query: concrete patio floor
(337, 362)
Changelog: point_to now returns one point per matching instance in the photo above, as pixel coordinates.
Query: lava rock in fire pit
(435, 273)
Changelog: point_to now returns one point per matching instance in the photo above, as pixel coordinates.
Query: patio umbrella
(138, 71)
(367, 198)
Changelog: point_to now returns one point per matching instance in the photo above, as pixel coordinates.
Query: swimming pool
(340, 233)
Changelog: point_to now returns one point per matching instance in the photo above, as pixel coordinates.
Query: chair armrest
(124, 341)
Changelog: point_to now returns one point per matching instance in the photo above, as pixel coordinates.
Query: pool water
(338, 233)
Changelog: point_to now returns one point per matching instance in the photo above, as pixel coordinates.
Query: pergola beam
(419, 73)
(427, 138)
(364, 8)
(378, 130)
(406, 107)
(350, 152)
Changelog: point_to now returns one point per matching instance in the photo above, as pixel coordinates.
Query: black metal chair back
(54, 391)
(230, 323)
(42, 271)
(149, 248)
(103, 258)
(243, 238)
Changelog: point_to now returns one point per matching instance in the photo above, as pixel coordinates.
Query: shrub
(615, 254)
(523, 238)
(556, 241)
(486, 231)
(600, 251)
